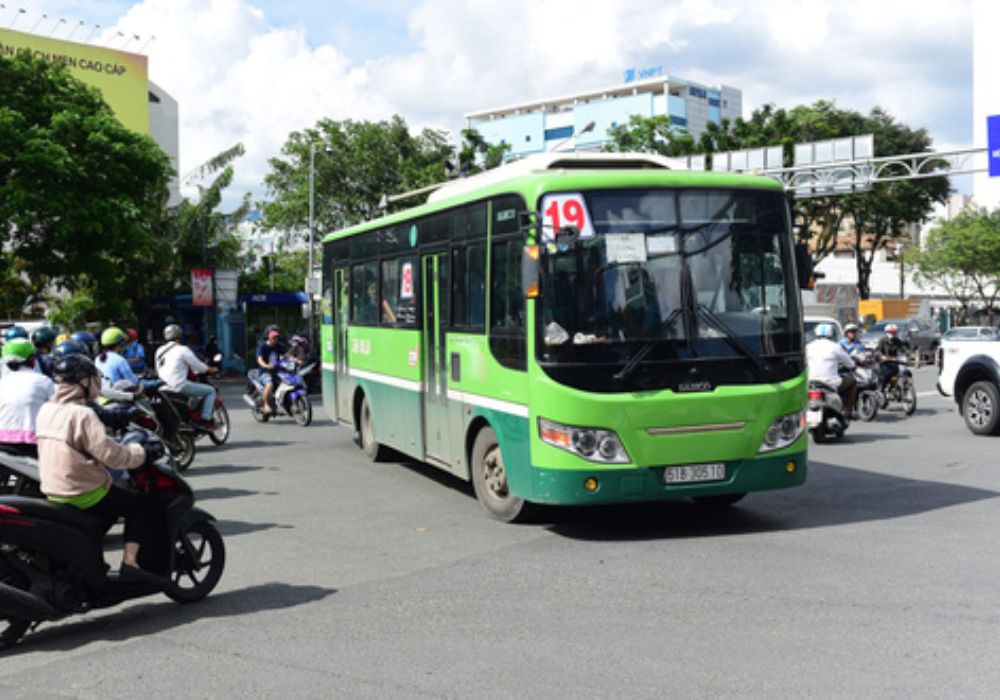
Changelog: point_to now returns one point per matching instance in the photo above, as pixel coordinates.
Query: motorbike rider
(22, 393)
(888, 352)
(173, 362)
(72, 447)
(825, 358)
(43, 338)
(89, 341)
(111, 364)
(850, 342)
(134, 352)
(269, 353)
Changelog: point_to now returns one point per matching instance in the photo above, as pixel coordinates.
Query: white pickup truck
(969, 370)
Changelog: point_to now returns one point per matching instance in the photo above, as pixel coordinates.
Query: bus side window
(468, 293)
(507, 333)
(364, 293)
(399, 304)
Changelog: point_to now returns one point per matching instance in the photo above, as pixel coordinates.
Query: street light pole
(312, 226)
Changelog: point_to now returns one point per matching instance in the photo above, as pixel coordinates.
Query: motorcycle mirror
(217, 358)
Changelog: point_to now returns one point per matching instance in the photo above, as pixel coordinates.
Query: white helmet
(851, 327)
(824, 330)
(172, 332)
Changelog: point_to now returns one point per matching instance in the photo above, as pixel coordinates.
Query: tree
(476, 155)
(279, 271)
(963, 256)
(356, 164)
(880, 215)
(80, 194)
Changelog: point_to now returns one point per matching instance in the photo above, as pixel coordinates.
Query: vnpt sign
(993, 143)
(633, 74)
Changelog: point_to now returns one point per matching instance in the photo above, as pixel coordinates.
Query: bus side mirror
(531, 271)
(804, 265)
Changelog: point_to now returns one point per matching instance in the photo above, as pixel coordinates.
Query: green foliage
(879, 216)
(80, 195)
(476, 155)
(73, 311)
(356, 163)
(280, 271)
(963, 256)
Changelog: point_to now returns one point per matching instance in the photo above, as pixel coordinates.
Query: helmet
(61, 338)
(74, 368)
(15, 332)
(851, 327)
(17, 351)
(891, 328)
(172, 332)
(69, 347)
(88, 340)
(132, 334)
(43, 337)
(112, 336)
(824, 330)
(298, 340)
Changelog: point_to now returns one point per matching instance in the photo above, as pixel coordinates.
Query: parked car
(810, 322)
(921, 335)
(972, 333)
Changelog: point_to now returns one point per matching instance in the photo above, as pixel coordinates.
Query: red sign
(201, 287)
(406, 285)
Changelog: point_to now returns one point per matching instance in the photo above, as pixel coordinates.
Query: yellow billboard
(122, 78)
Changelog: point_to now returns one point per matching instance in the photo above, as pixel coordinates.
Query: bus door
(341, 307)
(435, 376)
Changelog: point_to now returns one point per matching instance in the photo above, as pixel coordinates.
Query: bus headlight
(594, 444)
(784, 431)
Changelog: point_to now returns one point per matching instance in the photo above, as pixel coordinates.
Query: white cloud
(238, 77)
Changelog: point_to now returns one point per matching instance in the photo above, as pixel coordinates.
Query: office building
(542, 125)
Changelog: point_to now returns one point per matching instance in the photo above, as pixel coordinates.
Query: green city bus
(576, 329)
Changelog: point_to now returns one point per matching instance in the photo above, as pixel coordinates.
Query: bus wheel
(376, 452)
(489, 479)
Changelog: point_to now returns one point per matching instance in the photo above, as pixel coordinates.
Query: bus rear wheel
(376, 451)
(489, 479)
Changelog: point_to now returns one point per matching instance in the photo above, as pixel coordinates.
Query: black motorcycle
(52, 566)
(897, 386)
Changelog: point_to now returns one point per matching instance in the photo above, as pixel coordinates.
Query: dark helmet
(43, 337)
(15, 332)
(74, 368)
(89, 341)
(69, 347)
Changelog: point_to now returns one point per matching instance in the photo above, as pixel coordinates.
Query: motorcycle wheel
(221, 418)
(199, 558)
(868, 406)
(12, 628)
(819, 435)
(883, 399)
(909, 399)
(182, 449)
(302, 411)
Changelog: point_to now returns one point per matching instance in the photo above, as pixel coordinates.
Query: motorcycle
(825, 417)
(155, 410)
(52, 565)
(898, 388)
(867, 379)
(290, 396)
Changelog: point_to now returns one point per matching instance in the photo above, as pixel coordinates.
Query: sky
(252, 71)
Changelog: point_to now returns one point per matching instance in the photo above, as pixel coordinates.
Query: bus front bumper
(578, 487)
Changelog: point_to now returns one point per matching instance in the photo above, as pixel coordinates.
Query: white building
(541, 125)
(164, 129)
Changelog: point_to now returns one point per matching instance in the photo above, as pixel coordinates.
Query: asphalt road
(351, 579)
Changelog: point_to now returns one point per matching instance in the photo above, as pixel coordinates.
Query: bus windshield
(664, 276)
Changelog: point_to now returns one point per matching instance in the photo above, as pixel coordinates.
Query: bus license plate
(690, 473)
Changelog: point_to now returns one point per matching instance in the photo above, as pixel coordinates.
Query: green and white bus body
(660, 355)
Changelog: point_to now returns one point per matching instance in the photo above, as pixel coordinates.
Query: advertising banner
(122, 78)
(201, 287)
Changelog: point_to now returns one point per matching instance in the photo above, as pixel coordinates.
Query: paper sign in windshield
(625, 248)
(661, 245)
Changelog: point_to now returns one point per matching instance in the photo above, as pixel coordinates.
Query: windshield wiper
(713, 320)
(661, 332)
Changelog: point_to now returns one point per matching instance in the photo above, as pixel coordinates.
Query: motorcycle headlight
(784, 431)
(593, 444)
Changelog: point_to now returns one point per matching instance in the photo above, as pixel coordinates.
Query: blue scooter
(290, 396)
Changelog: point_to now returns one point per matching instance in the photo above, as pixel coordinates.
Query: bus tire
(489, 479)
(375, 451)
